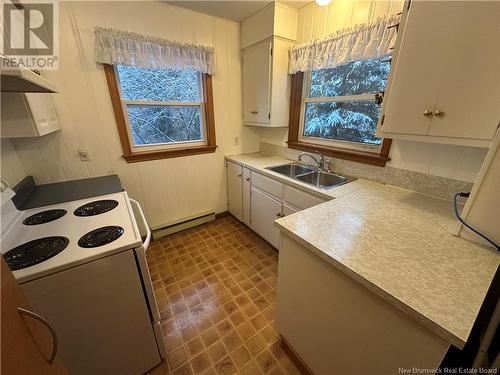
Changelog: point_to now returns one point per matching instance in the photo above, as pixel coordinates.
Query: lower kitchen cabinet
(257, 200)
(264, 210)
(344, 327)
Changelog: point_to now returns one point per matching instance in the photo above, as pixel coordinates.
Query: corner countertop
(259, 162)
(398, 244)
(29, 195)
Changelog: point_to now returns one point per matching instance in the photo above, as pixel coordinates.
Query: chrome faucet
(321, 163)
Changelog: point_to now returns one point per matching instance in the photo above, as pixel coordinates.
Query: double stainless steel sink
(311, 176)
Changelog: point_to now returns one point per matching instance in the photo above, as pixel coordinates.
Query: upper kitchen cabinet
(444, 86)
(266, 37)
(27, 115)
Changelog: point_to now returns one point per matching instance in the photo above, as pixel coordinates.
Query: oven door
(144, 271)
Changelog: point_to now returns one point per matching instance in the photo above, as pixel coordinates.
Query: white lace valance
(360, 42)
(121, 47)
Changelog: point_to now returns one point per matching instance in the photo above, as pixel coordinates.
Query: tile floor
(215, 286)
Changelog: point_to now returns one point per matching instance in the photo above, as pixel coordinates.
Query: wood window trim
(373, 158)
(121, 122)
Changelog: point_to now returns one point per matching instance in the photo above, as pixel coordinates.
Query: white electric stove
(82, 265)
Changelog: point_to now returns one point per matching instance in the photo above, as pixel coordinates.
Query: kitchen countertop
(398, 244)
(29, 195)
(259, 162)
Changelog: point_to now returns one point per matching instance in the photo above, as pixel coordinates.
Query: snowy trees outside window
(163, 105)
(330, 115)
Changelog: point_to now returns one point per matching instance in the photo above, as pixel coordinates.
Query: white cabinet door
(424, 47)
(470, 86)
(257, 82)
(234, 189)
(247, 185)
(264, 211)
(281, 84)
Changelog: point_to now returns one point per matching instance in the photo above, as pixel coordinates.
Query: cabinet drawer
(301, 199)
(267, 184)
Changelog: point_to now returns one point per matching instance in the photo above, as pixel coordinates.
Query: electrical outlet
(236, 141)
(84, 154)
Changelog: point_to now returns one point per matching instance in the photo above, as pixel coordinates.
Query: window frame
(363, 153)
(135, 153)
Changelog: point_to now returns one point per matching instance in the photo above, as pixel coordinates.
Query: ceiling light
(322, 3)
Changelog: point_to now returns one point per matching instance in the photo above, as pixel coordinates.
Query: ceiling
(232, 10)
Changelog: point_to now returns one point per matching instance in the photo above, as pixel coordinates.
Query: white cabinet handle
(427, 113)
(44, 321)
(438, 113)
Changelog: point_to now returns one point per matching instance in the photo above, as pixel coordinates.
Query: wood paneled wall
(170, 189)
(457, 162)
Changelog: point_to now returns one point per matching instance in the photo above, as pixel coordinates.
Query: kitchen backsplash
(440, 187)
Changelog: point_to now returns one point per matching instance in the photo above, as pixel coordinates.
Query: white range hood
(24, 80)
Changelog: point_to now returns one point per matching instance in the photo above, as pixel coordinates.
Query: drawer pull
(254, 112)
(427, 113)
(438, 113)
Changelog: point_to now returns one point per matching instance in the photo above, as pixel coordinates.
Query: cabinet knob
(254, 112)
(427, 113)
(438, 113)
(278, 215)
(239, 175)
(248, 178)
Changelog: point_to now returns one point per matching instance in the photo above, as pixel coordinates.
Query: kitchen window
(161, 113)
(335, 111)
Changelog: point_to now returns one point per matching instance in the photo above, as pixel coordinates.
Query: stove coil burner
(96, 208)
(34, 252)
(100, 236)
(44, 217)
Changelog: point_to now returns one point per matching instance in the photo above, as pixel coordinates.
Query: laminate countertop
(398, 243)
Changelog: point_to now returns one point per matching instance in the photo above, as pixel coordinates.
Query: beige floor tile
(225, 367)
(194, 346)
(217, 351)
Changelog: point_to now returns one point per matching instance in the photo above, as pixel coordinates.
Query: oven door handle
(144, 224)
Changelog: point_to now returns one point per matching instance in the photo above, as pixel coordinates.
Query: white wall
(168, 189)
(457, 162)
(11, 169)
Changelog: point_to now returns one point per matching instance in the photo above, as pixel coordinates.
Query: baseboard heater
(183, 224)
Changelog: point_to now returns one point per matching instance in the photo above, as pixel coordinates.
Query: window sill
(372, 158)
(167, 154)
